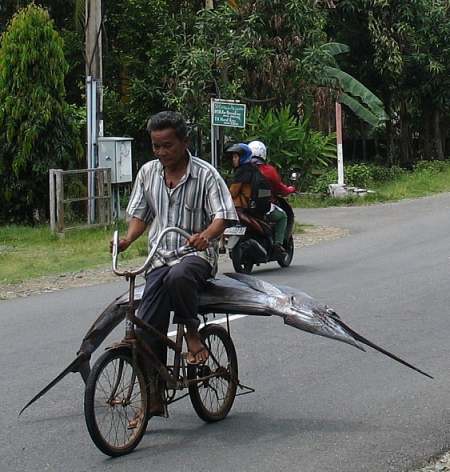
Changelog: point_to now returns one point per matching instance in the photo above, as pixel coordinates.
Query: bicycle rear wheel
(213, 397)
(115, 403)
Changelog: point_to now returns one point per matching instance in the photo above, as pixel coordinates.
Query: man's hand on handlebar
(123, 245)
(199, 241)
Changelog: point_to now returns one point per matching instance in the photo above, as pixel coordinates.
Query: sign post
(213, 137)
(226, 113)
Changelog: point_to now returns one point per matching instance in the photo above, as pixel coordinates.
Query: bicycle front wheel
(115, 403)
(213, 397)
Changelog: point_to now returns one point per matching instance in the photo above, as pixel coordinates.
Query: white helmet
(258, 149)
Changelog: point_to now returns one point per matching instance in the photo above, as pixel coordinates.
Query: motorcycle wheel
(286, 261)
(242, 267)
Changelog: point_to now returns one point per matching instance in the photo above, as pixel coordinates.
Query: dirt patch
(312, 235)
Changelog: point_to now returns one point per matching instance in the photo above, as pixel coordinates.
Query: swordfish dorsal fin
(257, 284)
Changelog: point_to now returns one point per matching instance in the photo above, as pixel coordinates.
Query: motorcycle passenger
(276, 214)
(241, 183)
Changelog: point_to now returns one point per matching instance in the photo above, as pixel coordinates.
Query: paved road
(319, 405)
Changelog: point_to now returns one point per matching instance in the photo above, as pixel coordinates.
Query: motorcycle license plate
(235, 231)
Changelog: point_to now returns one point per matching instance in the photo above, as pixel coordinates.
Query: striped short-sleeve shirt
(200, 197)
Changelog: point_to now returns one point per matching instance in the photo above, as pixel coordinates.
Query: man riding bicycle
(177, 189)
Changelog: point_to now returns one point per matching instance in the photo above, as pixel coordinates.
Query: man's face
(168, 147)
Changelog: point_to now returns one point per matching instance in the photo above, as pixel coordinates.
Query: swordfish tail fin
(365, 341)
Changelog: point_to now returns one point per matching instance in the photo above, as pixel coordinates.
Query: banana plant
(352, 93)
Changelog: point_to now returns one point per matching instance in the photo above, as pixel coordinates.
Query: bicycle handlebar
(115, 251)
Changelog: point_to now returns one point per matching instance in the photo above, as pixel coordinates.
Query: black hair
(168, 119)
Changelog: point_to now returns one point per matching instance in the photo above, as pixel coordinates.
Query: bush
(431, 167)
(384, 174)
(357, 175)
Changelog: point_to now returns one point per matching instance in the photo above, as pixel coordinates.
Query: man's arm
(220, 204)
(274, 178)
(201, 240)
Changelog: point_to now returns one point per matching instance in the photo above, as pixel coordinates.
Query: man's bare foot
(135, 421)
(198, 354)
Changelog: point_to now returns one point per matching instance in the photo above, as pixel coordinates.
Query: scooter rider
(276, 214)
(241, 182)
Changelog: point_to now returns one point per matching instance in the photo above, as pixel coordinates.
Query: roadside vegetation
(389, 184)
(27, 253)
(290, 62)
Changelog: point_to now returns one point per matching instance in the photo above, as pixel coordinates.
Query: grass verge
(26, 252)
(414, 184)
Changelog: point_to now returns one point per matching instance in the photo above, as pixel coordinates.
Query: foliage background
(388, 61)
(38, 129)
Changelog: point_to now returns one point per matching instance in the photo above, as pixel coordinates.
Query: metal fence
(80, 198)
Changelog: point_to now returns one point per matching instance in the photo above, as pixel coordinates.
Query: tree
(429, 69)
(37, 127)
(267, 53)
(400, 49)
(141, 40)
(249, 50)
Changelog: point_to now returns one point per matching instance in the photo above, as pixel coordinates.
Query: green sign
(228, 114)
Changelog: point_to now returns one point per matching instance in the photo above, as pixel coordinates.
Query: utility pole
(94, 96)
(209, 5)
(339, 189)
(340, 151)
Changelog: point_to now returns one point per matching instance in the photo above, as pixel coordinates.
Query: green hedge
(357, 175)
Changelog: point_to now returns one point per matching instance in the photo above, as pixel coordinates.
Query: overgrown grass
(27, 252)
(421, 182)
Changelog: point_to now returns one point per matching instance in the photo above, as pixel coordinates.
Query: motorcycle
(251, 241)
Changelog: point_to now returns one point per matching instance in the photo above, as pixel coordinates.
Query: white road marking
(213, 320)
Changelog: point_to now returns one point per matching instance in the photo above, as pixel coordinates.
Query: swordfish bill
(316, 318)
(365, 341)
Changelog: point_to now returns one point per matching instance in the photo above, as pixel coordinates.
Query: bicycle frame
(137, 343)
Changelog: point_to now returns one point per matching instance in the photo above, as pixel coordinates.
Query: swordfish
(231, 294)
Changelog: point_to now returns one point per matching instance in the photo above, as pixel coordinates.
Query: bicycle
(119, 386)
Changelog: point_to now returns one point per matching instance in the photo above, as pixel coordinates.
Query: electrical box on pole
(115, 153)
